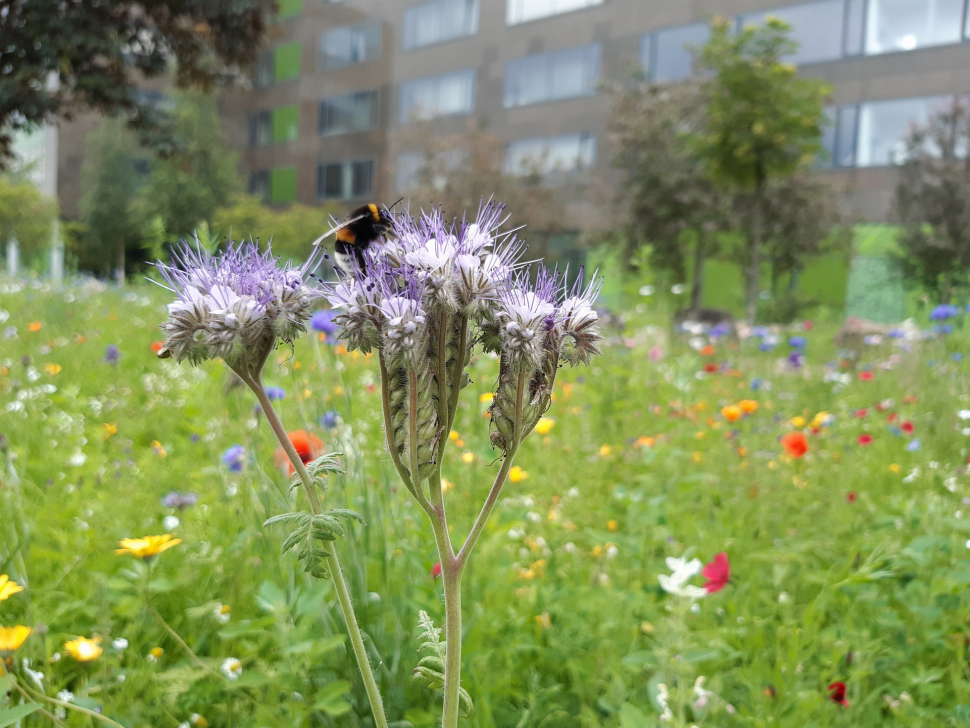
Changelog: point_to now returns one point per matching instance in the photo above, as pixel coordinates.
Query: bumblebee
(356, 234)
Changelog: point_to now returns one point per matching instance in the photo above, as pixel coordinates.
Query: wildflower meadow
(702, 529)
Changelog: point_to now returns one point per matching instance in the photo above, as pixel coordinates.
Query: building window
(350, 44)
(552, 76)
(272, 127)
(855, 22)
(261, 129)
(672, 51)
(439, 21)
(263, 73)
(817, 28)
(349, 113)
(415, 169)
(551, 158)
(259, 184)
(345, 180)
(846, 122)
(522, 11)
(449, 94)
(884, 125)
(902, 25)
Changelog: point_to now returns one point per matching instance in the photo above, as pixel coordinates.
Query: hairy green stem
(47, 714)
(343, 595)
(40, 697)
(451, 580)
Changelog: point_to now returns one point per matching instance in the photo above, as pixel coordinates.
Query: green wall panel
(286, 123)
(290, 8)
(282, 184)
(287, 62)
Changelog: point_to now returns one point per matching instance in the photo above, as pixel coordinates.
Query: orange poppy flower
(795, 444)
(308, 446)
(732, 413)
(748, 406)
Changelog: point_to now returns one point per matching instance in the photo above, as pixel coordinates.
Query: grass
(849, 564)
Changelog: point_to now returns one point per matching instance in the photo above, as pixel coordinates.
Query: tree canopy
(60, 57)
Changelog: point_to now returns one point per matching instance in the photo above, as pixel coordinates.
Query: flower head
(329, 419)
(837, 693)
(943, 312)
(234, 458)
(148, 546)
(795, 444)
(682, 572)
(11, 638)
(307, 445)
(8, 588)
(111, 354)
(323, 322)
(180, 500)
(717, 573)
(231, 668)
(234, 305)
(83, 649)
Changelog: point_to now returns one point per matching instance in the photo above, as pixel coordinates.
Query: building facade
(340, 83)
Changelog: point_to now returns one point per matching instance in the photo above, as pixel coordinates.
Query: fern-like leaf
(431, 668)
(312, 533)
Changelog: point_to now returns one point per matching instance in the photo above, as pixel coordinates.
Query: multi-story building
(340, 82)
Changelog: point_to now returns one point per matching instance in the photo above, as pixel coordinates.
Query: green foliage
(25, 214)
(430, 669)
(186, 187)
(565, 625)
(111, 179)
(59, 58)
(933, 203)
(291, 230)
(763, 122)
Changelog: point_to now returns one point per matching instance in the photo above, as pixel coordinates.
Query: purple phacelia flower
(234, 458)
(329, 419)
(275, 393)
(323, 321)
(180, 500)
(943, 312)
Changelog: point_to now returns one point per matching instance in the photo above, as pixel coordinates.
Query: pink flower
(865, 376)
(717, 573)
(850, 497)
(436, 570)
(907, 427)
(860, 413)
(865, 440)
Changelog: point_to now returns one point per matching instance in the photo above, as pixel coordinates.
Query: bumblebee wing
(337, 228)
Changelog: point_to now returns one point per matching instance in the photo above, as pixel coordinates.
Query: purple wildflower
(275, 393)
(796, 358)
(329, 419)
(180, 500)
(797, 342)
(111, 354)
(234, 458)
(322, 321)
(236, 303)
(943, 312)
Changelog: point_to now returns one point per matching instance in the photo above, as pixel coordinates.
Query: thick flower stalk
(433, 291)
(238, 306)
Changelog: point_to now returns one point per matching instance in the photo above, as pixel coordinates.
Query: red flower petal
(717, 573)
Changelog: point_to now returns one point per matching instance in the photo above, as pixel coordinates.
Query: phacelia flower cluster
(235, 305)
(435, 288)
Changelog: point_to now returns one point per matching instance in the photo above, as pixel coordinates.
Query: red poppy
(717, 573)
(308, 446)
(710, 367)
(795, 443)
(708, 350)
(907, 427)
(865, 439)
(850, 497)
(892, 417)
(436, 570)
(860, 413)
(837, 693)
(157, 346)
(807, 325)
(865, 376)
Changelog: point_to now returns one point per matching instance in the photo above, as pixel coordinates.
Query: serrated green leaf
(298, 517)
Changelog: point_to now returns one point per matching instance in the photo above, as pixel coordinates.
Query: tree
(291, 230)
(25, 214)
(186, 187)
(458, 171)
(933, 201)
(763, 123)
(60, 57)
(111, 178)
(672, 204)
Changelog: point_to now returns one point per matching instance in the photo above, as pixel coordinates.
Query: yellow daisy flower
(11, 638)
(8, 588)
(84, 650)
(147, 546)
(517, 474)
(544, 425)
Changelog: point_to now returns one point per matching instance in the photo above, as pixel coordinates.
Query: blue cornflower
(797, 341)
(896, 333)
(756, 383)
(234, 458)
(914, 445)
(111, 354)
(796, 358)
(323, 321)
(943, 312)
(275, 393)
(956, 356)
(765, 346)
(943, 328)
(329, 419)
